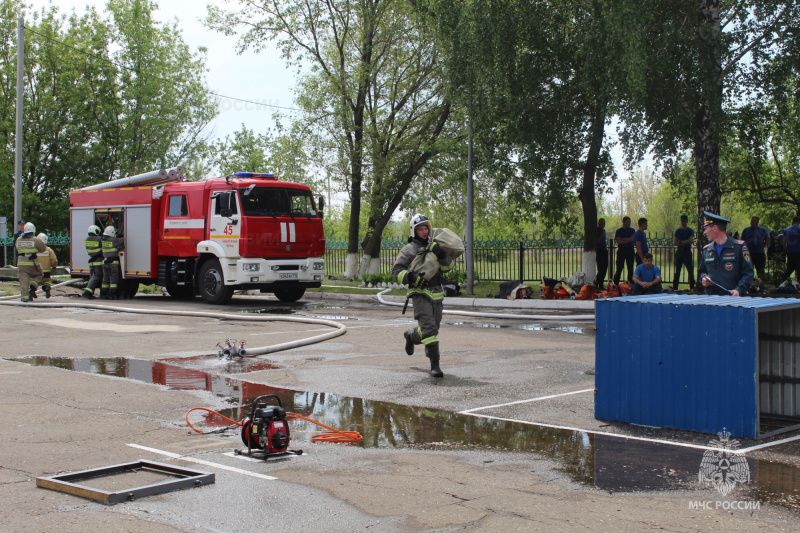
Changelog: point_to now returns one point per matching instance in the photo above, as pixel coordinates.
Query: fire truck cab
(240, 232)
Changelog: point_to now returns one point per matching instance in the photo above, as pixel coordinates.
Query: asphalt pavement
(505, 441)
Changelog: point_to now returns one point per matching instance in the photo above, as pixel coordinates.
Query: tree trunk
(357, 147)
(587, 195)
(706, 163)
(706, 119)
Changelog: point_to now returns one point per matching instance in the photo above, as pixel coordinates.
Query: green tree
(101, 100)
(372, 97)
(244, 152)
(540, 81)
(162, 107)
(698, 62)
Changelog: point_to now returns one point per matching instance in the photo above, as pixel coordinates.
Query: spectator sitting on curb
(647, 277)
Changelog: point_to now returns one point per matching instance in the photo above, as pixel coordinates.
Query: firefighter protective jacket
(433, 288)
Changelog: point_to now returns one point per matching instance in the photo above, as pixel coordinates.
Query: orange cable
(334, 435)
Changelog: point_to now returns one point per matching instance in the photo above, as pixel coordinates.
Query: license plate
(289, 275)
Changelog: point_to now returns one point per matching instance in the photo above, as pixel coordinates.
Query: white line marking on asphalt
(2, 373)
(471, 412)
(202, 462)
(593, 432)
(468, 411)
(768, 444)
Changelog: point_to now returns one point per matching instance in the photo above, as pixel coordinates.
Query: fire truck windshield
(276, 202)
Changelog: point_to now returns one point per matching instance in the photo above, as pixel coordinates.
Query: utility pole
(470, 214)
(18, 136)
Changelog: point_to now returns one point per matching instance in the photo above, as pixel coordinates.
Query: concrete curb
(498, 303)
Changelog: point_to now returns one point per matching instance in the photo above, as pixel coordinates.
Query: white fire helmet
(110, 232)
(42, 237)
(418, 220)
(94, 230)
(29, 228)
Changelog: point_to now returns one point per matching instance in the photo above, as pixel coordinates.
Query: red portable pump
(267, 429)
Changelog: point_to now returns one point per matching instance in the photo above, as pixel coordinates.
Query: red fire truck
(238, 232)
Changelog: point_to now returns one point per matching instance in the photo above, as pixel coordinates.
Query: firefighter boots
(87, 294)
(46, 289)
(432, 352)
(32, 293)
(104, 294)
(409, 341)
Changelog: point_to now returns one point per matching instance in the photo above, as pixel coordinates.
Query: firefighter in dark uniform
(30, 271)
(112, 245)
(94, 247)
(725, 264)
(427, 296)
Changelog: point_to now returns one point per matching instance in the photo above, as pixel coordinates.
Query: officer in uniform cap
(725, 264)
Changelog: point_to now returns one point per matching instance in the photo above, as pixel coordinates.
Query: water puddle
(583, 330)
(608, 463)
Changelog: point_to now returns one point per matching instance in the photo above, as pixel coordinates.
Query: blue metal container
(699, 363)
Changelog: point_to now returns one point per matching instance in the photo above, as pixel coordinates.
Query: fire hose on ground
(563, 318)
(332, 435)
(339, 328)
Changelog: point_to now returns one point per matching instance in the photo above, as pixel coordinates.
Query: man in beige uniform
(48, 261)
(30, 272)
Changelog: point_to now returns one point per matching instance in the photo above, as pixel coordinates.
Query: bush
(374, 279)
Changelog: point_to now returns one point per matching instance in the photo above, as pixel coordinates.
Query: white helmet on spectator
(42, 237)
(110, 232)
(29, 228)
(418, 219)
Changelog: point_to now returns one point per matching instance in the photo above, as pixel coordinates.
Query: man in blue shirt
(757, 240)
(640, 241)
(791, 244)
(684, 237)
(602, 253)
(625, 250)
(647, 277)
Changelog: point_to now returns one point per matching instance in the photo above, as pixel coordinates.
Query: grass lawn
(483, 289)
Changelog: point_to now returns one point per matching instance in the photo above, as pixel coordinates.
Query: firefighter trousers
(96, 277)
(428, 314)
(111, 275)
(29, 276)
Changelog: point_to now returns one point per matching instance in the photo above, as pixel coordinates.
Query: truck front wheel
(212, 284)
(290, 294)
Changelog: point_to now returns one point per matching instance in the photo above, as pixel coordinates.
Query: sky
(262, 77)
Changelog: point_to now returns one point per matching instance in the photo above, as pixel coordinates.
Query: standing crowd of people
(727, 265)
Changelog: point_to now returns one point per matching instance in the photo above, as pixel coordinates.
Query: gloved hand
(434, 247)
(415, 279)
(437, 250)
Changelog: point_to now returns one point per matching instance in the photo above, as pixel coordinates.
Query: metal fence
(59, 242)
(532, 259)
(528, 259)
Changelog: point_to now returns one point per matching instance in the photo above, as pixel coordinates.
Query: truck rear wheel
(290, 294)
(211, 284)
